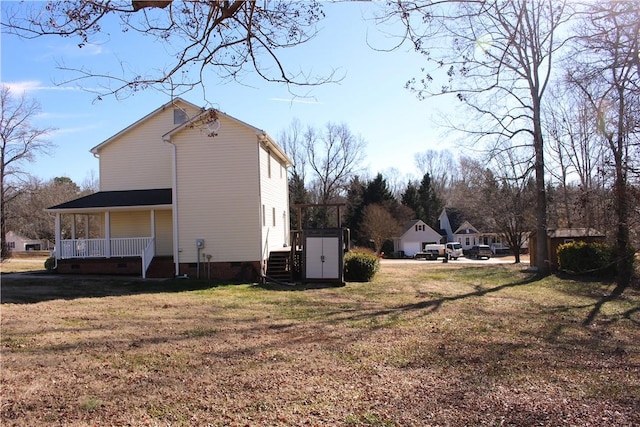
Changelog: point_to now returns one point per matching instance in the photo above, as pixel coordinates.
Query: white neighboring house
(181, 188)
(415, 234)
(457, 229)
(17, 243)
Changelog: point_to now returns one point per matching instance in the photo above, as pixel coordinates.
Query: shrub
(360, 265)
(586, 258)
(50, 263)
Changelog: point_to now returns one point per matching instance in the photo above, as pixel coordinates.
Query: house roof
(173, 102)
(465, 228)
(118, 199)
(456, 217)
(574, 232)
(261, 134)
(409, 226)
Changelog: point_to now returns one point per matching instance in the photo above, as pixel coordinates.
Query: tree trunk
(542, 253)
(624, 261)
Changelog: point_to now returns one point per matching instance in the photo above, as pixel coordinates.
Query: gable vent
(179, 116)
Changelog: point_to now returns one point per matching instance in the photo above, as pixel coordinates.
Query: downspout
(263, 244)
(174, 205)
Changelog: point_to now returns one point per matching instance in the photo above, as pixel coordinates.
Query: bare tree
(497, 57)
(512, 195)
(26, 213)
(20, 141)
(576, 156)
(378, 225)
(228, 37)
(441, 167)
(334, 155)
(607, 71)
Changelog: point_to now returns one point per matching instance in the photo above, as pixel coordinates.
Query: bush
(586, 258)
(50, 263)
(360, 265)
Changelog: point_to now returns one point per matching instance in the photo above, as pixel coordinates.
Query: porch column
(73, 227)
(107, 234)
(153, 224)
(58, 236)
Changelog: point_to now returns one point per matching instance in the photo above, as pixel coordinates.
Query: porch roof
(102, 200)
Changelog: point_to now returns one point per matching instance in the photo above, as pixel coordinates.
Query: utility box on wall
(323, 255)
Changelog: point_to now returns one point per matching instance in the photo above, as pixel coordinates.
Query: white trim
(110, 208)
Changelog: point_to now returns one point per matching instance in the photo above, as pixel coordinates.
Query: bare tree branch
(226, 38)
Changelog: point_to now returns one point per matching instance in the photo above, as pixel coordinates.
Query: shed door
(323, 258)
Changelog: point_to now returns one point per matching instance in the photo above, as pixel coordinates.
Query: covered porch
(115, 232)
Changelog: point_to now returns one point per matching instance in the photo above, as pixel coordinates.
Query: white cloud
(73, 130)
(295, 100)
(35, 85)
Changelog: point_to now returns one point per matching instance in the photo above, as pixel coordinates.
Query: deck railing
(97, 248)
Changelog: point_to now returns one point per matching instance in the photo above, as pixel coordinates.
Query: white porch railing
(97, 248)
(143, 247)
(147, 256)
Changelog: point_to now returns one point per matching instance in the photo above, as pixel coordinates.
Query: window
(466, 241)
(264, 216)
(11, 245)
(273, 212)
(179, 116)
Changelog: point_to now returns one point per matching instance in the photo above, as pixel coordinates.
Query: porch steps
(161, 267)
(278, 265)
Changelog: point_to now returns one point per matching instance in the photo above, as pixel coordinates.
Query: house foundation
(163, 267)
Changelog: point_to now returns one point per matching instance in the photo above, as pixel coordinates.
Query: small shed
(560, 236)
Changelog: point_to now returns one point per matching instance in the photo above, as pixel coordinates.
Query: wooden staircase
(279, 266)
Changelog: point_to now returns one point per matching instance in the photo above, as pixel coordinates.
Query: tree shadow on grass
(596, 291)
(432, 305)
(34, 288)
(597, 307)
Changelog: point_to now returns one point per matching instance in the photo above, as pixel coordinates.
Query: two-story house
(183, 191)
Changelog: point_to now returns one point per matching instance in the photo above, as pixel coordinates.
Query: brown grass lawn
(423, 344)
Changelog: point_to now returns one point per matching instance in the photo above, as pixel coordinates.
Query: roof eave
(108, 208)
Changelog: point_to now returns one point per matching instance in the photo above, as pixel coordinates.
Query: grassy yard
(423, 344)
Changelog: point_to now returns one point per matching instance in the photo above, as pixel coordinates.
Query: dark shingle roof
(106, 199)
(573, 232)
(456, 218)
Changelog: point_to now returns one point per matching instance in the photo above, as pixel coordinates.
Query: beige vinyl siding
(164, 233)
(139, 159)
(138, 224)
(131, 224)
(274, 196)
(218, 196)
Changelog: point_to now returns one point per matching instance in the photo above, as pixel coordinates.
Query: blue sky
(370, 99)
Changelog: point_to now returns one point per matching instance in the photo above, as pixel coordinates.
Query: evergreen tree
(429, 202)
(377, 192)
(298, 194)
(411, 199)
(355, 207)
